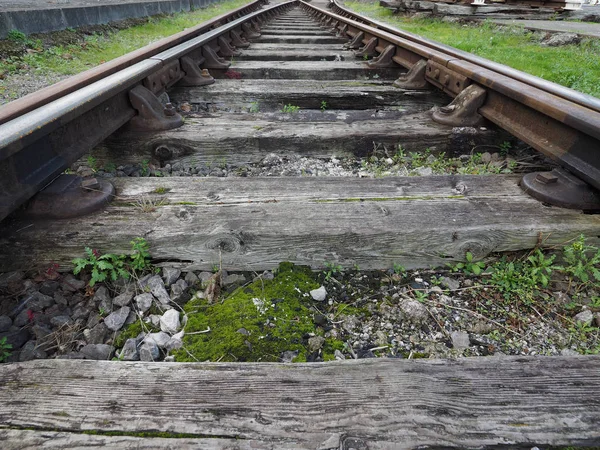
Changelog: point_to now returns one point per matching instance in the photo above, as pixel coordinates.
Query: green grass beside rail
(97, 49)
(574, 66)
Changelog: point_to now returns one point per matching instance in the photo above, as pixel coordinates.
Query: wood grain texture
(248, 138)
(238, 95)
(492, 402)
(255, 223)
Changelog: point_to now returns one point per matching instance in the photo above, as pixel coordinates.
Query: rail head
(38, 145)
(562, 129)
(46, 95)
(569, 94)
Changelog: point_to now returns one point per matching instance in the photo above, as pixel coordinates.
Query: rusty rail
(46, 95)
(556, 89)
(39, 143)
(559, 122)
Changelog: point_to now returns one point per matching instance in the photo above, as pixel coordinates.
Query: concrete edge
(54, 19)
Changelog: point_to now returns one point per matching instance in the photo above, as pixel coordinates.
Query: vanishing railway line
(222, 108)
(378, 84)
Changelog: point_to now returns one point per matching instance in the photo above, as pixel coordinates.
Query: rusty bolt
(205, 73)
(546, 178)
(169, 110)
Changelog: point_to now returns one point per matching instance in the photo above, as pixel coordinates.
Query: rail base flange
(414, 78)
(70, 196)
(561, 188)
(462, 111)
(152, 115)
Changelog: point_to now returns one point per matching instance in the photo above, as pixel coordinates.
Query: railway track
(292, 79)
(279, 150)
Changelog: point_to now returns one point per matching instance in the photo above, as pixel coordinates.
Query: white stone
(585, 317)
(115, 321)
(319, 294)
(144, 302)
(169, 322)
(460, 340)
(161, 338)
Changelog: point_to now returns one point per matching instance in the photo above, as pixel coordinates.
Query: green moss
(277, 316)
(132, 331)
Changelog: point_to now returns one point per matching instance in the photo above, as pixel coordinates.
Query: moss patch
(133, 331)
(257, 322)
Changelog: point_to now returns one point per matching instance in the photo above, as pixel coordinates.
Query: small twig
(481, 316)
(198, 332)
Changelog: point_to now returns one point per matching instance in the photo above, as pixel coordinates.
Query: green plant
(505, 147)
(399, 269)
(5, 348)
(254, 108)
(290, 109)
(581, 260)
(145, 169)
(110, 167)
(215, 268)
(92, 163)
(519, 279)
(102, 267)
(331, 269)
(470, 267)
(112, 267)
(595, 302)
(420, 295)
(102, 312)
(323, 105)
(161, 190)
(140, 255)
(16, 36)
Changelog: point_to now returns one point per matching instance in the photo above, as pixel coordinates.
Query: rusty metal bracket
(384, 59)
(249, 32)
(561, 188)
(414, 78)
(237, 40)
(194, 76)
(342, 32)
(356, 41)
(163, 78)
(225, 48)
(212, 60)
(152, 115)
(69, 196)
(449, 81)
(462, 111)
(255, 25)
(334, 26)
(368, 49)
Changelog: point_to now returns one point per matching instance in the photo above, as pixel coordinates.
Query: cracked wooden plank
(488, 402)
(255, 223)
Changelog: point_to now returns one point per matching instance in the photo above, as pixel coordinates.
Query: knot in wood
(227, 244)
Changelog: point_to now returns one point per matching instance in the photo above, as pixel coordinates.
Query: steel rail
(564, 130)
(560, 91)
(44, 96)
(39, 145)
